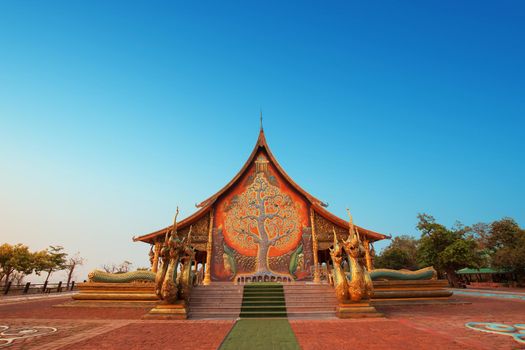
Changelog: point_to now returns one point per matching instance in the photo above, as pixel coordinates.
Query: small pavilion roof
(205, 206)
(482, 270)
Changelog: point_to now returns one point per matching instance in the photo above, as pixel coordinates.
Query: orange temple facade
(261, 226)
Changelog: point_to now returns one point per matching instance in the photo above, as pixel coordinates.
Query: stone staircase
(306, 300)
(263, 300)
(219, 300)
(224, 300)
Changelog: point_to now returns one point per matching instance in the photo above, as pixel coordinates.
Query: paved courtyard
(36, 324)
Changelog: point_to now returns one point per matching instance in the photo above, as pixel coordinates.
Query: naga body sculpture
(339, 277)
(427, 273)
(186, 277)
(359, 284)
(169, 286)
(127, 277)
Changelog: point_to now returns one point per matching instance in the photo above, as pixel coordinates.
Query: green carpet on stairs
(260, 334)
(263, 300)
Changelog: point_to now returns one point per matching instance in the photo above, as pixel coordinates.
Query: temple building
(261, 226)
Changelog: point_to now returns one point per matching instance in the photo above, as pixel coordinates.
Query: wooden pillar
(372, 255)
(369, 265)
(317, 278)
(209, 245)
(155, 265)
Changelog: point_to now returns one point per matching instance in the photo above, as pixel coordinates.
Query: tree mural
(260, 218)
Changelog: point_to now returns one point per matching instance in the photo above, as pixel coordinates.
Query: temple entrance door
(325, 263)
(198, 268)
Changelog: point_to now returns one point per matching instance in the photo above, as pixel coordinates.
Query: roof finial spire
(260, 119)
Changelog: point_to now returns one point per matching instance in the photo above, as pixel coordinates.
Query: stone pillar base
(357, 310)
(175, 311)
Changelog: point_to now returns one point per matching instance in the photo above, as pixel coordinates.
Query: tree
(447, 249)
(124, 267)
(262, 217)
(506, 243)
(503, 233)
(41, 261)
(481, 232)
(71, 264)
(400, 254)
(17, 277)
(55, 260)
(15, 258)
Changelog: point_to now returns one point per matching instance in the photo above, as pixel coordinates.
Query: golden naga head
(173, 227)
(352, 244)
(337, 252)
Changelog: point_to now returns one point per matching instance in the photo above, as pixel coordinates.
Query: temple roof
(206, 205)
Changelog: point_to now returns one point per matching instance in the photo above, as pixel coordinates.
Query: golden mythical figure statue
(357, 284)
(339, 277)
(171, 286)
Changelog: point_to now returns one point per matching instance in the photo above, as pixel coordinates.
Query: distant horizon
(113, 114)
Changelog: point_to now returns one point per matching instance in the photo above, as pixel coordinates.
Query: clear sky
(113, 113)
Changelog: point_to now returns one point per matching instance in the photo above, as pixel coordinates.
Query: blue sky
(114, 113)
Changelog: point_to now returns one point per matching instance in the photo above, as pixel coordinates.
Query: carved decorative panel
(324, 230)
(261, 227)
(199, 231)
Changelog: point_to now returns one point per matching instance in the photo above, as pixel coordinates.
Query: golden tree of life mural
(262, 218)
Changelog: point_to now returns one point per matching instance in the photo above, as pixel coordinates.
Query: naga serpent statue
(359, 282)
(127, 277)
(357, 285)
(427, 273)
(339, 277)
(171, 286)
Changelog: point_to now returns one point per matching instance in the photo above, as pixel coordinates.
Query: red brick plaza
(404, 327)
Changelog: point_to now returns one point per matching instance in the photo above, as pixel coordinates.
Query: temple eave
(151, 237)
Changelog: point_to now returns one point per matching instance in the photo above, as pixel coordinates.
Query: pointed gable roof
(261, 144)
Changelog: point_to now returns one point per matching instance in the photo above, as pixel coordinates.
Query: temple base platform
(357, 310)
(98, 294)
(177, 311)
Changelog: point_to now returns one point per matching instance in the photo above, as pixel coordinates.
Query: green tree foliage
(503, 233)
(400, 254)
(40, 261)
(15, 258)
(447, 249)
(54, 259)
(18, 260)
(506, 243)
